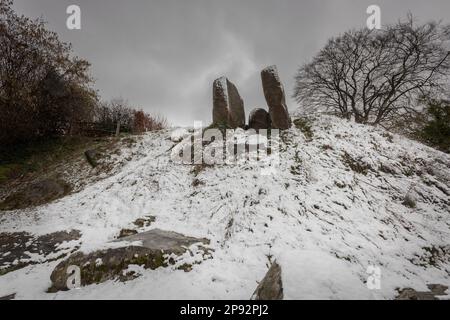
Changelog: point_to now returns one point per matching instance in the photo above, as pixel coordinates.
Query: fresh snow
(324, 223)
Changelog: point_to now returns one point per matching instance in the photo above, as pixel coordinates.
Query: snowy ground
(332, 209)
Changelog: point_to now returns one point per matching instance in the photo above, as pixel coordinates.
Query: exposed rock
(92, 157)
(103, 265)
(220, 101)
(144, 222)
(35, 194)
(271, 287)
(165, 240)
(236, 107)
(438, 289)
(411, 294)
(126, 233)
(409, 201)
(259, 119)
(9, 297)
(197, 182)
(275, 97)
(109, 264)
(228, 106)
(19, 246)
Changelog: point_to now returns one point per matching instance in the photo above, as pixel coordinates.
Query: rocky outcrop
(271, 286)
(411, 294)
(228, 106)
(259, 119)
(108, 264)
(276, 99)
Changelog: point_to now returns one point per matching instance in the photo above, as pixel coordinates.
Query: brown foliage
(44, 90)
(132, 120)
(144, 122)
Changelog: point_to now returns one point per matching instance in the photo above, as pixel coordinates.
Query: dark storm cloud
(163, 55)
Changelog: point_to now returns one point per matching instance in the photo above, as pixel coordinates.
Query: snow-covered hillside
(334, 206)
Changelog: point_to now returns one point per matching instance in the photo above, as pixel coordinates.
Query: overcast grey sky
(163, 55)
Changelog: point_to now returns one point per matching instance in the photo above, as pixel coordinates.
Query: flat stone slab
(157, 250)
(16, 248)
(157, 239)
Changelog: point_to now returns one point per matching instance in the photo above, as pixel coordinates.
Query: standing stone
(228, 106)
(275, 97)
(220, 101)
(271, 287)
(259, 119)
(236, 107)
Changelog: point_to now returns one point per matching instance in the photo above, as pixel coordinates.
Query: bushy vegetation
(132, 120)
(436, 129)
(46, 91)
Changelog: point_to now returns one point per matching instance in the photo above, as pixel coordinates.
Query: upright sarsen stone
(275, 97)
(236, 112)
(220, 101)
(228, 106)
(271, 287)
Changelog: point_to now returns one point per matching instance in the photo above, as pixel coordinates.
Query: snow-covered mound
(348, 198)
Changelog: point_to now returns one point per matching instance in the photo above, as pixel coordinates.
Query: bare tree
(376, 76)
(130, 119)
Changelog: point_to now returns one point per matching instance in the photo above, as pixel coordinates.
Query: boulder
(271, 286)
(276, 99)
(228, 106)
(92, 157)
(109, 264)
(259, 119)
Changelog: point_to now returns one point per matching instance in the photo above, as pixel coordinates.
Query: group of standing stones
(228, 106)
